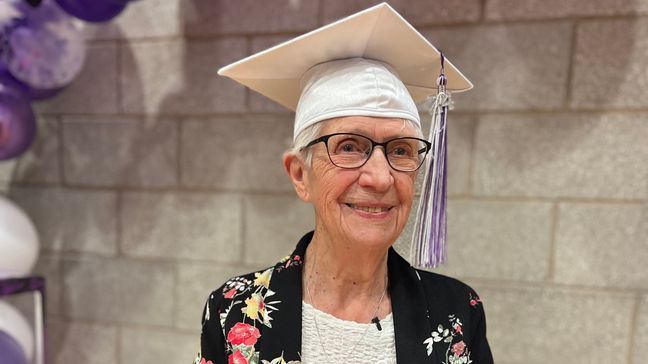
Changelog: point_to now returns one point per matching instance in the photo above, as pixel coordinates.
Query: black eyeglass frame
(374, 144)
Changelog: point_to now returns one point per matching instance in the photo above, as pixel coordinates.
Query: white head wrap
(352, 87)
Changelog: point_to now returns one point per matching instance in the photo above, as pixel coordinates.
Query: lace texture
(339, 337)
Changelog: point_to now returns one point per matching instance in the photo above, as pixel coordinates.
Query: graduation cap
(372, 63)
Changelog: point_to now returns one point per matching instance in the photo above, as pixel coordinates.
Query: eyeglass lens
(352, 151)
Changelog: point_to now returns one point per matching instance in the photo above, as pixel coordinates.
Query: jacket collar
(284, 339)
(411, 310)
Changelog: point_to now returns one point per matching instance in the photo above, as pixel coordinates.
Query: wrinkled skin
(336, 193)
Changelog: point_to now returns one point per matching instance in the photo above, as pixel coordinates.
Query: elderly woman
(344, 295)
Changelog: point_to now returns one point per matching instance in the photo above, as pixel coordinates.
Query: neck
(346, 264)
(344, 279)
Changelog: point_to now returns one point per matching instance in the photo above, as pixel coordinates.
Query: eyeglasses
(347, 150)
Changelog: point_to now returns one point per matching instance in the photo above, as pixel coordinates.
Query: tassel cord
(430, 227)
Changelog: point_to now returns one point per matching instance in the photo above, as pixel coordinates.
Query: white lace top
(338, 338)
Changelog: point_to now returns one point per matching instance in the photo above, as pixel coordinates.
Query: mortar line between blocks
(290, 193)
(247, 98)
(320, 13)
(570, 66)
(178, 172)
(553, 230)
(472, 155)
(242, 234)
(500, 283)
(119, 330)
(119, 229)
(61, 151)
(521, 20)
(181, 12)
(175, 296)
(118, 79)
(60, 295)
(634, 319)
(482, 11)
(289, 116)
(480, 21)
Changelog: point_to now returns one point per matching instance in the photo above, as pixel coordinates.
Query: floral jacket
(256, 318)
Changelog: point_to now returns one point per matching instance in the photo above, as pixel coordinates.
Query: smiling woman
(361, 202)
(344, 295)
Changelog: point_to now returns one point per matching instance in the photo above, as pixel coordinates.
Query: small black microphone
(376, 321)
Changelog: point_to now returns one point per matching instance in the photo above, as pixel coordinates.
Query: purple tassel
(428, 248)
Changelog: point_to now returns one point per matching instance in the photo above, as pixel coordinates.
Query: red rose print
(203, 361)
(243, 334)
(473, 302)
(458, 348)
(237, 358)
(230, 294)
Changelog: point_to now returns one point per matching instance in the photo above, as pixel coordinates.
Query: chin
(370, 237)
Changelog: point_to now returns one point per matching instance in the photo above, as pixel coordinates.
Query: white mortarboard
(378, 33)
(372, 63)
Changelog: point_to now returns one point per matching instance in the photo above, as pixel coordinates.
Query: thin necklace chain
(310, 297)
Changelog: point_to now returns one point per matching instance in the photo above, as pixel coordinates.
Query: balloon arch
(42, 50)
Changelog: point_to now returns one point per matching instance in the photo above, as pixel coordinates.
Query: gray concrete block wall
(540, 324)
(94, 90)
(153, 180)
(517, 66)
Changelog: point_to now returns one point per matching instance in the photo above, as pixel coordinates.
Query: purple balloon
(10, 350)
(31, 93)
(41, 50)
(17, 123)
(95, 11)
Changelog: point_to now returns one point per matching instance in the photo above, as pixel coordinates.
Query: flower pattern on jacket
(243, 334)
(451, 338)
(238, 325)
(456, 351)
(474, 300)
(257, 309)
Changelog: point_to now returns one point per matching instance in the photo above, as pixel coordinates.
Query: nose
(376, 173)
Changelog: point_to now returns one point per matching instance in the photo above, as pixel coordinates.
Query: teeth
(373, 210)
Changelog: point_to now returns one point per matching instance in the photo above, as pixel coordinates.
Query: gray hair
(303, 138)
(312, 132)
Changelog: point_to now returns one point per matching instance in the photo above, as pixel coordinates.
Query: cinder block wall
(153, 180)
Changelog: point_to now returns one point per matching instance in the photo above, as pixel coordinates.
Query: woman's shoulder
(237, 286)
(451, 290)
(234, 292)
(243, 286)
(457, 315)
(441, 290)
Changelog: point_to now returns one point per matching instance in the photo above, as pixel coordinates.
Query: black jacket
(256, 318)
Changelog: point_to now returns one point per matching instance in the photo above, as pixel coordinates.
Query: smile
(370, 209)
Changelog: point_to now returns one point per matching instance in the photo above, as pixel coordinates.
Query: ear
(296, 169)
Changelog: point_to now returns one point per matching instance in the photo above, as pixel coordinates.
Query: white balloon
(13, 323)
(18, 241)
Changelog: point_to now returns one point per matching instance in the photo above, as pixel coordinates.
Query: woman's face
(368, 205)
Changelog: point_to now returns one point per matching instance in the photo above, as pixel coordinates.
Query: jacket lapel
(284, 338)
(410, 311)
